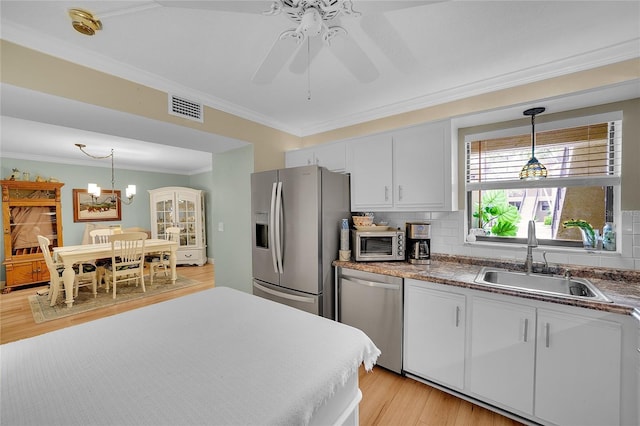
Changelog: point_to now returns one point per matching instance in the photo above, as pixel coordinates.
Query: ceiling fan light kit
(312, 17)
(311, 23)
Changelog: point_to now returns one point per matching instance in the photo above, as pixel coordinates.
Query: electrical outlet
(221, 226)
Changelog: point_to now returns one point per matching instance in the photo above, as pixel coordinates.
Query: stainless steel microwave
(377, 246)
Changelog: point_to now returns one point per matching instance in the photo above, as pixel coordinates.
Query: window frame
(613, 180)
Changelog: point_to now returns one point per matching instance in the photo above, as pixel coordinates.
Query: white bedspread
(217, 357)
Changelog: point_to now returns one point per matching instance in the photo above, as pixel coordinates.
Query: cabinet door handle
(372, 283)
(457, 316)
(386, 193)
(399, 192)
(525, 329)
(546, 334)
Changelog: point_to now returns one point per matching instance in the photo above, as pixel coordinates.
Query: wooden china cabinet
(29, 209)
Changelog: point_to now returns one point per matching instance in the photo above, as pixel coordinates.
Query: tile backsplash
(448, 237)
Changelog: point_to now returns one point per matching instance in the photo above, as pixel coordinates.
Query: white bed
(217, 357)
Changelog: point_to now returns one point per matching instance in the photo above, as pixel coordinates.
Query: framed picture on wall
(87, 208)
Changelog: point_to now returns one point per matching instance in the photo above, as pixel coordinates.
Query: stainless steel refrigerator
(296, 216)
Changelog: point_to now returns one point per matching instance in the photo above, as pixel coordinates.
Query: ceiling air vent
(185, 108)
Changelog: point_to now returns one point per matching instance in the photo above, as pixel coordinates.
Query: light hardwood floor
(17, 321)
(388, 399)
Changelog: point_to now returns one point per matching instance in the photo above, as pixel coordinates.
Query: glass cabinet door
(178, 209)
(26, 223)
(187, 219)
(165, 213)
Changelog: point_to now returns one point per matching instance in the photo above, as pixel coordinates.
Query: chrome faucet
(532, 242)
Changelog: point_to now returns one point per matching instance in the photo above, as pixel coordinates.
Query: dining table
(71, 255)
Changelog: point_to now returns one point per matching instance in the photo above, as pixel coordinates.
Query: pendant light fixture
(533, 169)
(94, 190)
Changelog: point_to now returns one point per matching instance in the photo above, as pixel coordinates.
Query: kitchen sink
(571, 287)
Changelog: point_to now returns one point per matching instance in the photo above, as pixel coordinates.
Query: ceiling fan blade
(305, 55)
(389, 41)
(225, 6)
(371, 7)
(354, 58)
(280, 52)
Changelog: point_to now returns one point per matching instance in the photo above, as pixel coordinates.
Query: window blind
(584, 152)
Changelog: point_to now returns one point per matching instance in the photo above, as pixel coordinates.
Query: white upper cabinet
(330, 155)
(422, 167)
(410, 169)
(371, 173)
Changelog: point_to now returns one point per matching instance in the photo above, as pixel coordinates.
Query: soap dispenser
(609, 237)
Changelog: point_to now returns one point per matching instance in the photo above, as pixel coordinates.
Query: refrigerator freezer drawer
(305, 302)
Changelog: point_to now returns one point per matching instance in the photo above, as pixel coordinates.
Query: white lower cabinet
(550, 363)
(636, 362)
(434, 334)
(577, 369)
(501, 362)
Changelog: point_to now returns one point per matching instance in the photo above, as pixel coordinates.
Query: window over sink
(583, 160)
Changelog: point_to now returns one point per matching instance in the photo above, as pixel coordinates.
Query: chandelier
(94, 190)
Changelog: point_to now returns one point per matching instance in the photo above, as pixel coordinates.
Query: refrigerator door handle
(278, 220)
(272, 222)
(284, 295)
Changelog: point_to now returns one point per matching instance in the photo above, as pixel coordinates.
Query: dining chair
(127, 260)
(101, 236)
(160, 261)
(138, 229)
(85, 274)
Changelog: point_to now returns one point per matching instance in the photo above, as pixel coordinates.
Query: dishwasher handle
(371, 283)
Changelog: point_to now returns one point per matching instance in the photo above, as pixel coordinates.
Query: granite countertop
(622, 287)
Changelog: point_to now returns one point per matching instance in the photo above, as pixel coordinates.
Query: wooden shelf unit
(29, 209)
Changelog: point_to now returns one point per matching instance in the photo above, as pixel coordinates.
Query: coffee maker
(418, 243)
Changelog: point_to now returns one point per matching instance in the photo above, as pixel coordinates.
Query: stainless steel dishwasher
(373, 303)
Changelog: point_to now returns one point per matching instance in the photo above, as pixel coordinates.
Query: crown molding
(593, 59)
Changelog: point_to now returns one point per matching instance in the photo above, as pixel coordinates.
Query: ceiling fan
(318, 23)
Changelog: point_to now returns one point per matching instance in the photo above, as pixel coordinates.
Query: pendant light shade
(533, 169)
